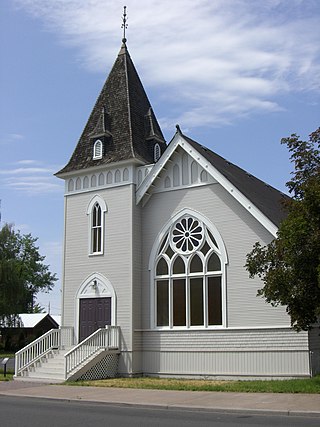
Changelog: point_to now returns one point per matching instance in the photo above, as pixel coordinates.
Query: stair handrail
(36, 349)
(104, 338)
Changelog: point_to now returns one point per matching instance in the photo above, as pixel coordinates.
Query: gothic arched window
(189, 276)
(96, 210)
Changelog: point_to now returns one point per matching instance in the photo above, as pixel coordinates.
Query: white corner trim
(178, 140)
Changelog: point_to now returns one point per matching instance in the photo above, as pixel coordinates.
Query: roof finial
(178, 129)
(124, 24)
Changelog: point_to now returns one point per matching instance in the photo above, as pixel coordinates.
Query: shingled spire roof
(122, 119)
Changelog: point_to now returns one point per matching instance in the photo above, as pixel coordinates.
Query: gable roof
(122, 118)
(30, 320)
(266, 198)
(263, 201)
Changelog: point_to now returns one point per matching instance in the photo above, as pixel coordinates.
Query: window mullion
(170, 302)
(205, 301)
(188, 315)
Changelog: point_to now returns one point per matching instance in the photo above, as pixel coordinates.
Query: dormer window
(97, 150)
(157, 152)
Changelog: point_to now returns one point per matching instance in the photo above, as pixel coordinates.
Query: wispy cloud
(11, 138)
(212, 61)
(30, 180)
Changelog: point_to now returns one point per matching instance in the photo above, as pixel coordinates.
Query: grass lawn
(308, 385)
(8, 376)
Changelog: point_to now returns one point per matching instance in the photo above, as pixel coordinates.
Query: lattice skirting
(106, 368)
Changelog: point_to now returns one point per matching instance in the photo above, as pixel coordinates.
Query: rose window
(187, 235)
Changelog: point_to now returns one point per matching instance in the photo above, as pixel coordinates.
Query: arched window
(157, 152)
(97, 150)
(167, 182)
(101, 179)
(117, 176)
(96, 229)
(176, 175)
(109, 177)
(85, 182)
(70, 185)
(78, 184)
(189, 278)
(203, 176)
(125, 175)
(96, 209)
(194, 172)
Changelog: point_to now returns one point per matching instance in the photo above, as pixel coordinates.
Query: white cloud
(31, 180)
(10, 138)
(212, 61)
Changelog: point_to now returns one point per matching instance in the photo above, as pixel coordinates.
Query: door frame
(95, 286)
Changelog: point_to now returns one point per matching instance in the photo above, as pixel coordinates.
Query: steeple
(122, 119)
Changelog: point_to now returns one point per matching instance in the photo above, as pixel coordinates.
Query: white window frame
(97, 150)
(153, 260)
(96, 201)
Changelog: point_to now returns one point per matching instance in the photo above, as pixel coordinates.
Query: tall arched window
(189, 279)
(96, 209)
(96, 229)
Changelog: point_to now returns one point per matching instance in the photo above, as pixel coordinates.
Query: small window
(97, 150)
(157, 152)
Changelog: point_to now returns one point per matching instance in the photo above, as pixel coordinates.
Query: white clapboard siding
(116, 262)
(239, 231)
(264, 352)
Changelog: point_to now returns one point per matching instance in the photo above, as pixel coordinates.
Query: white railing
(34, 351)
(107, 338)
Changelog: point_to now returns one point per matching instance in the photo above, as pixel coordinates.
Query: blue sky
(237, 75)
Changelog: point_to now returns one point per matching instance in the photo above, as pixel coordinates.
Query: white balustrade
(105, 338)
(34, 351)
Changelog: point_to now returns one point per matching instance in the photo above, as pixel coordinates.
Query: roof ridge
(126, 54)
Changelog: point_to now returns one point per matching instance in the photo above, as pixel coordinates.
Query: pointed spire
(122, 118)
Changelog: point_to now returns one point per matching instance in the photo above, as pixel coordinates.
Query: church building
(155, 243)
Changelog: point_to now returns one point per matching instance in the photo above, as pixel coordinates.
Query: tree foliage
(290, 265)
(22, 274)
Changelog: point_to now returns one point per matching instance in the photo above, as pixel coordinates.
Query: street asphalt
(257, 403)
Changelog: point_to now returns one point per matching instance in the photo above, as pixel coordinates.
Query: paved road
(32, 412)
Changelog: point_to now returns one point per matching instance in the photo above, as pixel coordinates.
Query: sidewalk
(266, 403)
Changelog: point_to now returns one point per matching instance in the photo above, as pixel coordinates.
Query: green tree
(22, 274)
(290, 265)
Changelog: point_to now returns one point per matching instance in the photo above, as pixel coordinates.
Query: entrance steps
(49, 369)
(52, 358)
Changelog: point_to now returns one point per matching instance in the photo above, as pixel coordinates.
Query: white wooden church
(155, 242)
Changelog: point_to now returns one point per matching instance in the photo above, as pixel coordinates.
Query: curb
(166, 407)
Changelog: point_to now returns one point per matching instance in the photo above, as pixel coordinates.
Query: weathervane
(124, 23)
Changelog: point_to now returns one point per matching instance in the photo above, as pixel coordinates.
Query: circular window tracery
(187, 235)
